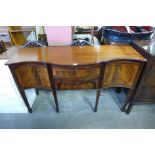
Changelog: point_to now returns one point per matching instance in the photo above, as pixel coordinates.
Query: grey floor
(76, 111)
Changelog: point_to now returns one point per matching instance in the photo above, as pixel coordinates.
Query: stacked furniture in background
(2, 47)
(124, 34)
(19, 34)
(5, 36)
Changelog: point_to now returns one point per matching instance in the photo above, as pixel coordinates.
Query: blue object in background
(112, 35)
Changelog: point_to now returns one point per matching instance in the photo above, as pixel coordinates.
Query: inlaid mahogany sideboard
(68, 67)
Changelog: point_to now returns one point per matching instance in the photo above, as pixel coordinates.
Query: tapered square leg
(97, 100)
(37, 91)
(127, 100)
(25, 101)
(30, 110)
(118, 90)
(129, 108)
(56, 100)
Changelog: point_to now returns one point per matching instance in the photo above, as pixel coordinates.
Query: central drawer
(76, 73)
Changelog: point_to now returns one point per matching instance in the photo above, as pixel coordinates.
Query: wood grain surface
(68, 55)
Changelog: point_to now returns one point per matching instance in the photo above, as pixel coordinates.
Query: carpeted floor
(76, 111)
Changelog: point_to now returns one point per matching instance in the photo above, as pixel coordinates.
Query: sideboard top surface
(69, 55)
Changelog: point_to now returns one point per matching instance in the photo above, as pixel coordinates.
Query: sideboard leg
(25, 100)
(127, 100)
(118, 90)
(56, 100)
(129, 108)
(37, 91)
(97, 100)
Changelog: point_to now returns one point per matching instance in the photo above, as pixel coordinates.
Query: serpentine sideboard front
(67, 67)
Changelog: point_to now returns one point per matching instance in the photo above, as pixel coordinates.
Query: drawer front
(69, 86)
(120, 74)
(74, 74)
(32, 76)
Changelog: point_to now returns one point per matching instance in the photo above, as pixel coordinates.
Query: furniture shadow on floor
(119, 98)
(44, 102)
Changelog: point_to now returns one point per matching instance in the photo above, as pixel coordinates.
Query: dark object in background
(119, 34)
(81, 29)
(81, 42)
(42, 39)
(86, 39)
(33, 44)
(2, 47)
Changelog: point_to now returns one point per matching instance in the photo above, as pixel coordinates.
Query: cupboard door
(32, 76)
(120, 74)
